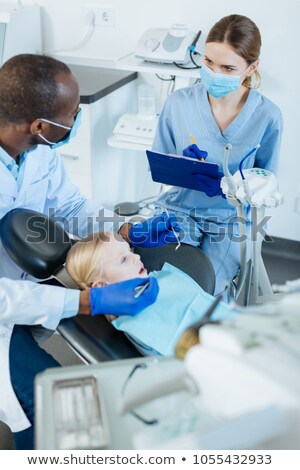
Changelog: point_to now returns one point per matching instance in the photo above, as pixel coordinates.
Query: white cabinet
(108, 175)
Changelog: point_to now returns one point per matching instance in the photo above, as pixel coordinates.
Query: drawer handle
(69, 157)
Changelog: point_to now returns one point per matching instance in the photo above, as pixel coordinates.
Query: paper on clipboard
(177, 170)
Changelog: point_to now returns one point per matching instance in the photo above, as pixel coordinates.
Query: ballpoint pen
(194, 142)
(191, 336)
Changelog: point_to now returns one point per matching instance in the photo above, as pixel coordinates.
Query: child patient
(106, 258)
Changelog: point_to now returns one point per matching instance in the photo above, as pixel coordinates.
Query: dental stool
(39, 246)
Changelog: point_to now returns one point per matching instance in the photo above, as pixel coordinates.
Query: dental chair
(39, 246)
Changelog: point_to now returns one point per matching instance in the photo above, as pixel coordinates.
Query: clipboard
(177, 170)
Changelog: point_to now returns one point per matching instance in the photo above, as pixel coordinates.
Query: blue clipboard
(176, 170)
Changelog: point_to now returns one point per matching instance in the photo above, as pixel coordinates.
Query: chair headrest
(35, 242)
(188, 258)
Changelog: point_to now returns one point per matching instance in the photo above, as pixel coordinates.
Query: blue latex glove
(118, 299)
(209, 185)
(154, 232)
(193, 151)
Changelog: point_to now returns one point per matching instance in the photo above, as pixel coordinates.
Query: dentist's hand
(119, 299)
(193, 151)
(154, 232)
(209, 185)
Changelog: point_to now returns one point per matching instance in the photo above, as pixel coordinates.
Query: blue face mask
(219, 84)
(72, 131)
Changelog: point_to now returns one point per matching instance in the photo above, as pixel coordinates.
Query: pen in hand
(194, 142)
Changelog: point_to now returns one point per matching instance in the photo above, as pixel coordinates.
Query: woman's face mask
(72, 131)
(220, 84)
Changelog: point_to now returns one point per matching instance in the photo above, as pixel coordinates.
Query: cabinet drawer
(77, 157)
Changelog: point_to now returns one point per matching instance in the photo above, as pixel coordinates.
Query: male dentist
(39, 111)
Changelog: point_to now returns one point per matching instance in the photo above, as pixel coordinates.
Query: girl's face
(119, 263)
(221, 58)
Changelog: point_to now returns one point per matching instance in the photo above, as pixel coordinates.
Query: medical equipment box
(165, 45)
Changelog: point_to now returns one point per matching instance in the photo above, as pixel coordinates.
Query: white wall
(63, 26)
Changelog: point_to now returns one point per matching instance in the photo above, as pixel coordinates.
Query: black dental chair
(39, 246)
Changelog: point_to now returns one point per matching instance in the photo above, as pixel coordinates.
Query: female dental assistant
(224, 108)
(39, 110)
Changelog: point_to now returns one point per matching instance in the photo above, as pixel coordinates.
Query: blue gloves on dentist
(154, 232)
(193, 151)
(208, 184)
(120, 299)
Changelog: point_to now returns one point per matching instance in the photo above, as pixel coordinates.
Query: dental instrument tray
(79, 417)
(177, 170)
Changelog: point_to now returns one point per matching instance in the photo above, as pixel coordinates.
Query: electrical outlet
(103, 15)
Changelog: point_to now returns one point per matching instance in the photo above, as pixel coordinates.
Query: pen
(194, 142)
(140, 289)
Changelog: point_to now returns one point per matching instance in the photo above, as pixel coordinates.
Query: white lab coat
(45, 185)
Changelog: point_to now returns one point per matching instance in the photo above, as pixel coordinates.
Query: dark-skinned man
(39, 111)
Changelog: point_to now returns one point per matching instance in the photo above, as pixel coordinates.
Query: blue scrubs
(210, 221)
